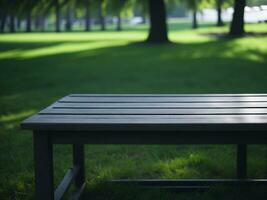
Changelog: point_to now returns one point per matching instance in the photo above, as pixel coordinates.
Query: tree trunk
(158, 28)
(42, 22)
(143, 19)
(57, 9)
(87, 16)
(29, 21)
(101, 17)
(3, 22)
(237, 25)
(68, 19)
(18, 24)
(38, 22)
(195, 24)
(12, 23)
(118, 22)
(219, 13)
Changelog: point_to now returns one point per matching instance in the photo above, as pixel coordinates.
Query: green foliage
(141, 5)
(200, 4)
(10, 6)
(221, 3)
(116, 6)
(193, 4)
(256, 2)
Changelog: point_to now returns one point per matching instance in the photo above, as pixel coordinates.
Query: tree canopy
(35, 13)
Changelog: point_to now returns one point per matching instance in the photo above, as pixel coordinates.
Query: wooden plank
(135, 99)
(190, 182)
(145, 122)
(66, 182)
(161, 135)
(161, 105)
(245, 118)
(203, 111)
(168, 95)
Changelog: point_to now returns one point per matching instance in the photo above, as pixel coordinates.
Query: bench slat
(183, 123)
(179, 119)
(197, 111)
(162, 105)
(167, 95)
(166, 99)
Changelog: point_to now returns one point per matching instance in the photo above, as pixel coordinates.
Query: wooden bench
(80, 119)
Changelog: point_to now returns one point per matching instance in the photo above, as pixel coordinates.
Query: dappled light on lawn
(39, 68)
(186, 45)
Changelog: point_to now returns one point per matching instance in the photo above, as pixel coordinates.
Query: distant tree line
(35, 13)
(158, 28)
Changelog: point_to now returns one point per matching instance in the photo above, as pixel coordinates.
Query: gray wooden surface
(198, 112)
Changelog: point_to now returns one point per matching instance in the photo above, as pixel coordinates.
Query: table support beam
(189, 183)
(78, 160)
(66, 182)
(43, 156)
(241, 170)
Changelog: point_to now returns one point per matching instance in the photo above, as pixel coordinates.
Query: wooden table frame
(46, 134)
(43, 148)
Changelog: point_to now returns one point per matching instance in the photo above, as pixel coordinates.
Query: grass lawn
(38, 68)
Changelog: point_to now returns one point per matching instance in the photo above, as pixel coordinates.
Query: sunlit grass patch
(180, 167)
(72, 37)
(11, 121)
(16, 116)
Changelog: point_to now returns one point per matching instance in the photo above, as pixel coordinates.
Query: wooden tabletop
(196, 112)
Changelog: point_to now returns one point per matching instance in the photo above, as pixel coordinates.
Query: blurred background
(86, 15)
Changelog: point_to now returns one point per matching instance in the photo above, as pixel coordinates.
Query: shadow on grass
(6, 46)
(132, 68)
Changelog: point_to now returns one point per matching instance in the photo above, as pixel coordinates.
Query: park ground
(38, 68)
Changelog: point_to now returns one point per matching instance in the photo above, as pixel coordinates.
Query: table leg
(43, 157)
(241, 161)
(78, 160)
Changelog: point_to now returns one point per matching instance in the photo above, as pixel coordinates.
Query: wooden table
(80, 119)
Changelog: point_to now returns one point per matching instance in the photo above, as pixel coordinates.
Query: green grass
(38, 68)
